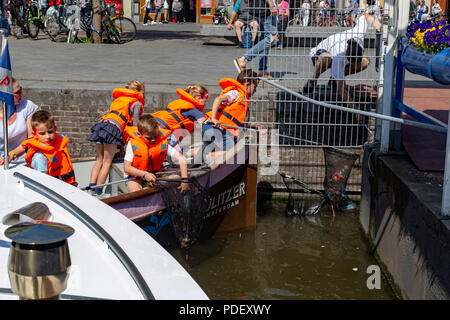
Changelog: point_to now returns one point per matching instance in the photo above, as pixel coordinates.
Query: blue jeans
(268, 27)
(160, 11)
(209, 133)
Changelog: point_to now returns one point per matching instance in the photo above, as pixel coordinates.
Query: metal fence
(309, 44)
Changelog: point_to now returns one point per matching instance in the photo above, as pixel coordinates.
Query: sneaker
(153, 22)
(160, 22)
(239, 45)
(165, 21)
(309, 87)
(145, 24)
(265, 75)
(238, 65)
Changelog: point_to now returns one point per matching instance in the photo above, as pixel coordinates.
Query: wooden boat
(232, 191)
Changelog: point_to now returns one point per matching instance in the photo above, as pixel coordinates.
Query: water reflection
(315, 257)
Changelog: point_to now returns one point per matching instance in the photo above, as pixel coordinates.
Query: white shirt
(18, 131)
(337, 45)
(148, 4)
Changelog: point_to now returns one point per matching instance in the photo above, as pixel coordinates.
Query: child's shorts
(105, 132)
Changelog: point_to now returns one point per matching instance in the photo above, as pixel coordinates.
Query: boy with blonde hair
(147, 148)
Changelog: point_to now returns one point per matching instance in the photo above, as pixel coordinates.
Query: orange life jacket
(235, 113)
(59, 164)
(172, 119)
(120, 110)
(148, 157)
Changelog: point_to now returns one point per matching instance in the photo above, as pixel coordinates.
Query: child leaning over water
(147, 148)
(181, 115)
(125, 110)
(47, 150)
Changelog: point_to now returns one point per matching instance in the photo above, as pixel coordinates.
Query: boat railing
(95, 227)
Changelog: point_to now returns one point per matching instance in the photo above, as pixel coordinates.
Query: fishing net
(338, 165)
(186, 210)
(302, 206)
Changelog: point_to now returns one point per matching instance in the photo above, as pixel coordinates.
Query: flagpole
(5, 117)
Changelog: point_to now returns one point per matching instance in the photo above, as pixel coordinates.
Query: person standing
(147, 6)
(159, 8)
(306, 6)
(166, 11)
(283, 19)
(266, 13)
(177, 10)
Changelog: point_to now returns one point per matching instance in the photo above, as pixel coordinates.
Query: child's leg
(97, 165)
(134, 186)
(108, 155)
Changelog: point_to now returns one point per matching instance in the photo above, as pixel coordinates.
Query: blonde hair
(135, 85)
(147, 124)
(196, 90)
(42, 117)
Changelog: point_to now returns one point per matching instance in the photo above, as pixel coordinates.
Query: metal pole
(445, 210)
(364, 113)
(5, 119)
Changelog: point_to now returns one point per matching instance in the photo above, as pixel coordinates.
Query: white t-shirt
(337, 45)
(306, 7)
(17, 131)
(148, 4)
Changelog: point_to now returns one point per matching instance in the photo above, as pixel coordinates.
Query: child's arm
(17, 152)
(183, 170)
(132, 171)
(215, 108)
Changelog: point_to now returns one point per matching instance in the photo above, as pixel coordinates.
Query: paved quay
(162, 56)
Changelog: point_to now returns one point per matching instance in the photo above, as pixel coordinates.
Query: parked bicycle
(114, 28)
(16, 13)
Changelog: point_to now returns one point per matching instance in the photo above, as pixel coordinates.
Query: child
(180, 115)
(230, 108)
(47, 150)
(146, 151)
(125, 110)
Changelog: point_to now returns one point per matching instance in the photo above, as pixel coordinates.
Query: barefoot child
(126, 108)
(230, 108)
(147, 148)
(47, 150)
(180, 115)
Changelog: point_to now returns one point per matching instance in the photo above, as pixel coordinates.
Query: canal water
(317, 257)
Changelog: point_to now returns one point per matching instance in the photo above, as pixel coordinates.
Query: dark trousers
(147, 15)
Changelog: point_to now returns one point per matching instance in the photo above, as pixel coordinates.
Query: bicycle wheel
(52, 27)
(33, 21)
(126, 29)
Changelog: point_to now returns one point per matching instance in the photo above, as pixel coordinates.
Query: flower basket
(433, 66)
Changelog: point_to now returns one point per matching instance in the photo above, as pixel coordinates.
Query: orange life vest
(59, 164)
(148, 157)
(172, 119)
(235, 113)
(120, 109)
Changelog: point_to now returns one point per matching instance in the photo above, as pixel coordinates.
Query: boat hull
(232, 205)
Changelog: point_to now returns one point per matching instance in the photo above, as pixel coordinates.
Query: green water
(317, 257)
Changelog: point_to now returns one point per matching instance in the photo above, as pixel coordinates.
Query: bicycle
(55, 23)
(16, 13)
(117, 29)
(34, 21)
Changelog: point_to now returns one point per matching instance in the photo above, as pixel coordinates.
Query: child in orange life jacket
(230, 108)
(180, 115)
(125, 110)
(147, 147)
(47, 150)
